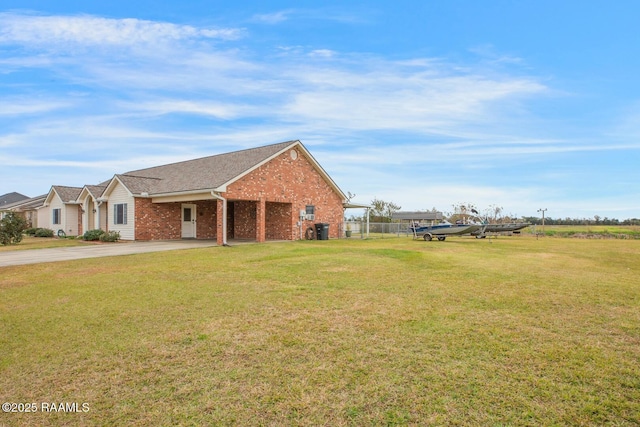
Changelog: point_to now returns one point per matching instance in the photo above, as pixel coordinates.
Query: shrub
(43, 232)
(11, 228)
(91, 235)
(111, 236)
(30, 231)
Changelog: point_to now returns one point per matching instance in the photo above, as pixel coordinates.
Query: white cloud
(324, 53)
(272, 18)
(96, 31)
(16, 106)
(208, 108)
(407, 101)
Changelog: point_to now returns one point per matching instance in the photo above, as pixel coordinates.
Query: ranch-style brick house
(273, 192)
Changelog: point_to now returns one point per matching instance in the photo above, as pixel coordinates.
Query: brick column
(219, 223)
(260, 220)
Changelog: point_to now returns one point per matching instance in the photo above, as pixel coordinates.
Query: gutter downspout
(224, 217)
(98, 202)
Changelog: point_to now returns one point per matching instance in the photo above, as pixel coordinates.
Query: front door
(188, 221)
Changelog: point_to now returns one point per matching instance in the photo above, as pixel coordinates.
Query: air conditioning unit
(310, 217)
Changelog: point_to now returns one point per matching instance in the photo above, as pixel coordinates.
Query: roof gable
(115, 181)
(306, 154)
(66, 194)
(94, 191)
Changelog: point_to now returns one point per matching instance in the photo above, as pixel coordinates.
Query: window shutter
(124, 213)
(115, 214)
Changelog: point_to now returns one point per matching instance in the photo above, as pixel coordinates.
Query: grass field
(496, 332)
(616, 231)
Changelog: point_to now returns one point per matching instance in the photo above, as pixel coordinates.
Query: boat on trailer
(499, 228)
(442, 230)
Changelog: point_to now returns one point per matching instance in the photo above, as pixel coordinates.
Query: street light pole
(543, 211)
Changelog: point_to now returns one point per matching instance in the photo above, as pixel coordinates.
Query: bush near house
(30, 231)
(11, 228)
(111, 236)
(43, 232)
(92, 235)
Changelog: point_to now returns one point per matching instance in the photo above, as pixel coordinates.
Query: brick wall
(206, 214)
(244, 219)
(278, 221)
(291, 181)
(157, 221)
(163, 221)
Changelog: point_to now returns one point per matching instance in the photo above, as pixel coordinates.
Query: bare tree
(382, 211)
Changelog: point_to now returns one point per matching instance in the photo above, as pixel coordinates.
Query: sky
(521, 105)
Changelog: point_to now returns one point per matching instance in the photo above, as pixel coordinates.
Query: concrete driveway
(35, 256)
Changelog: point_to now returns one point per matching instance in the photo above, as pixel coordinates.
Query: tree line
(596, 220)
(382, 211)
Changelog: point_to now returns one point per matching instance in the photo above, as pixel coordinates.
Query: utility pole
(543, 211)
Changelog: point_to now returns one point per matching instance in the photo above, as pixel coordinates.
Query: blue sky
(517, 104)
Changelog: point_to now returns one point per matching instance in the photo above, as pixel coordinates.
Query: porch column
(84, 213)
(220, 222)
(97, 224)
(260, 220)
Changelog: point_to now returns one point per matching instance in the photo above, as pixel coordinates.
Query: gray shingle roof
(26, 204)
(97, 190)
(10, 198)
(200, 174)
(67, 194)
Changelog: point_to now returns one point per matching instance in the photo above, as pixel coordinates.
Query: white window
(120, 213)
(57, 217)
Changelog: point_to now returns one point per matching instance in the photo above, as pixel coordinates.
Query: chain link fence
(377, 230)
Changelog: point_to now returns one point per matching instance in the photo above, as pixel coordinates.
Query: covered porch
(213, 217)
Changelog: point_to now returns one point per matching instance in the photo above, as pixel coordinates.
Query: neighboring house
(274, 192)
(11, 198)
(61, 210)
(27, 209)
(8, 200)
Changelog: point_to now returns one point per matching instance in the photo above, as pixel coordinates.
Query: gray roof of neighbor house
(417, 216)
(29, 203)
(206, 173)
(10, 198)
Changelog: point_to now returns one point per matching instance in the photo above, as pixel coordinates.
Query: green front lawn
(30, 242)
(508, 331)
